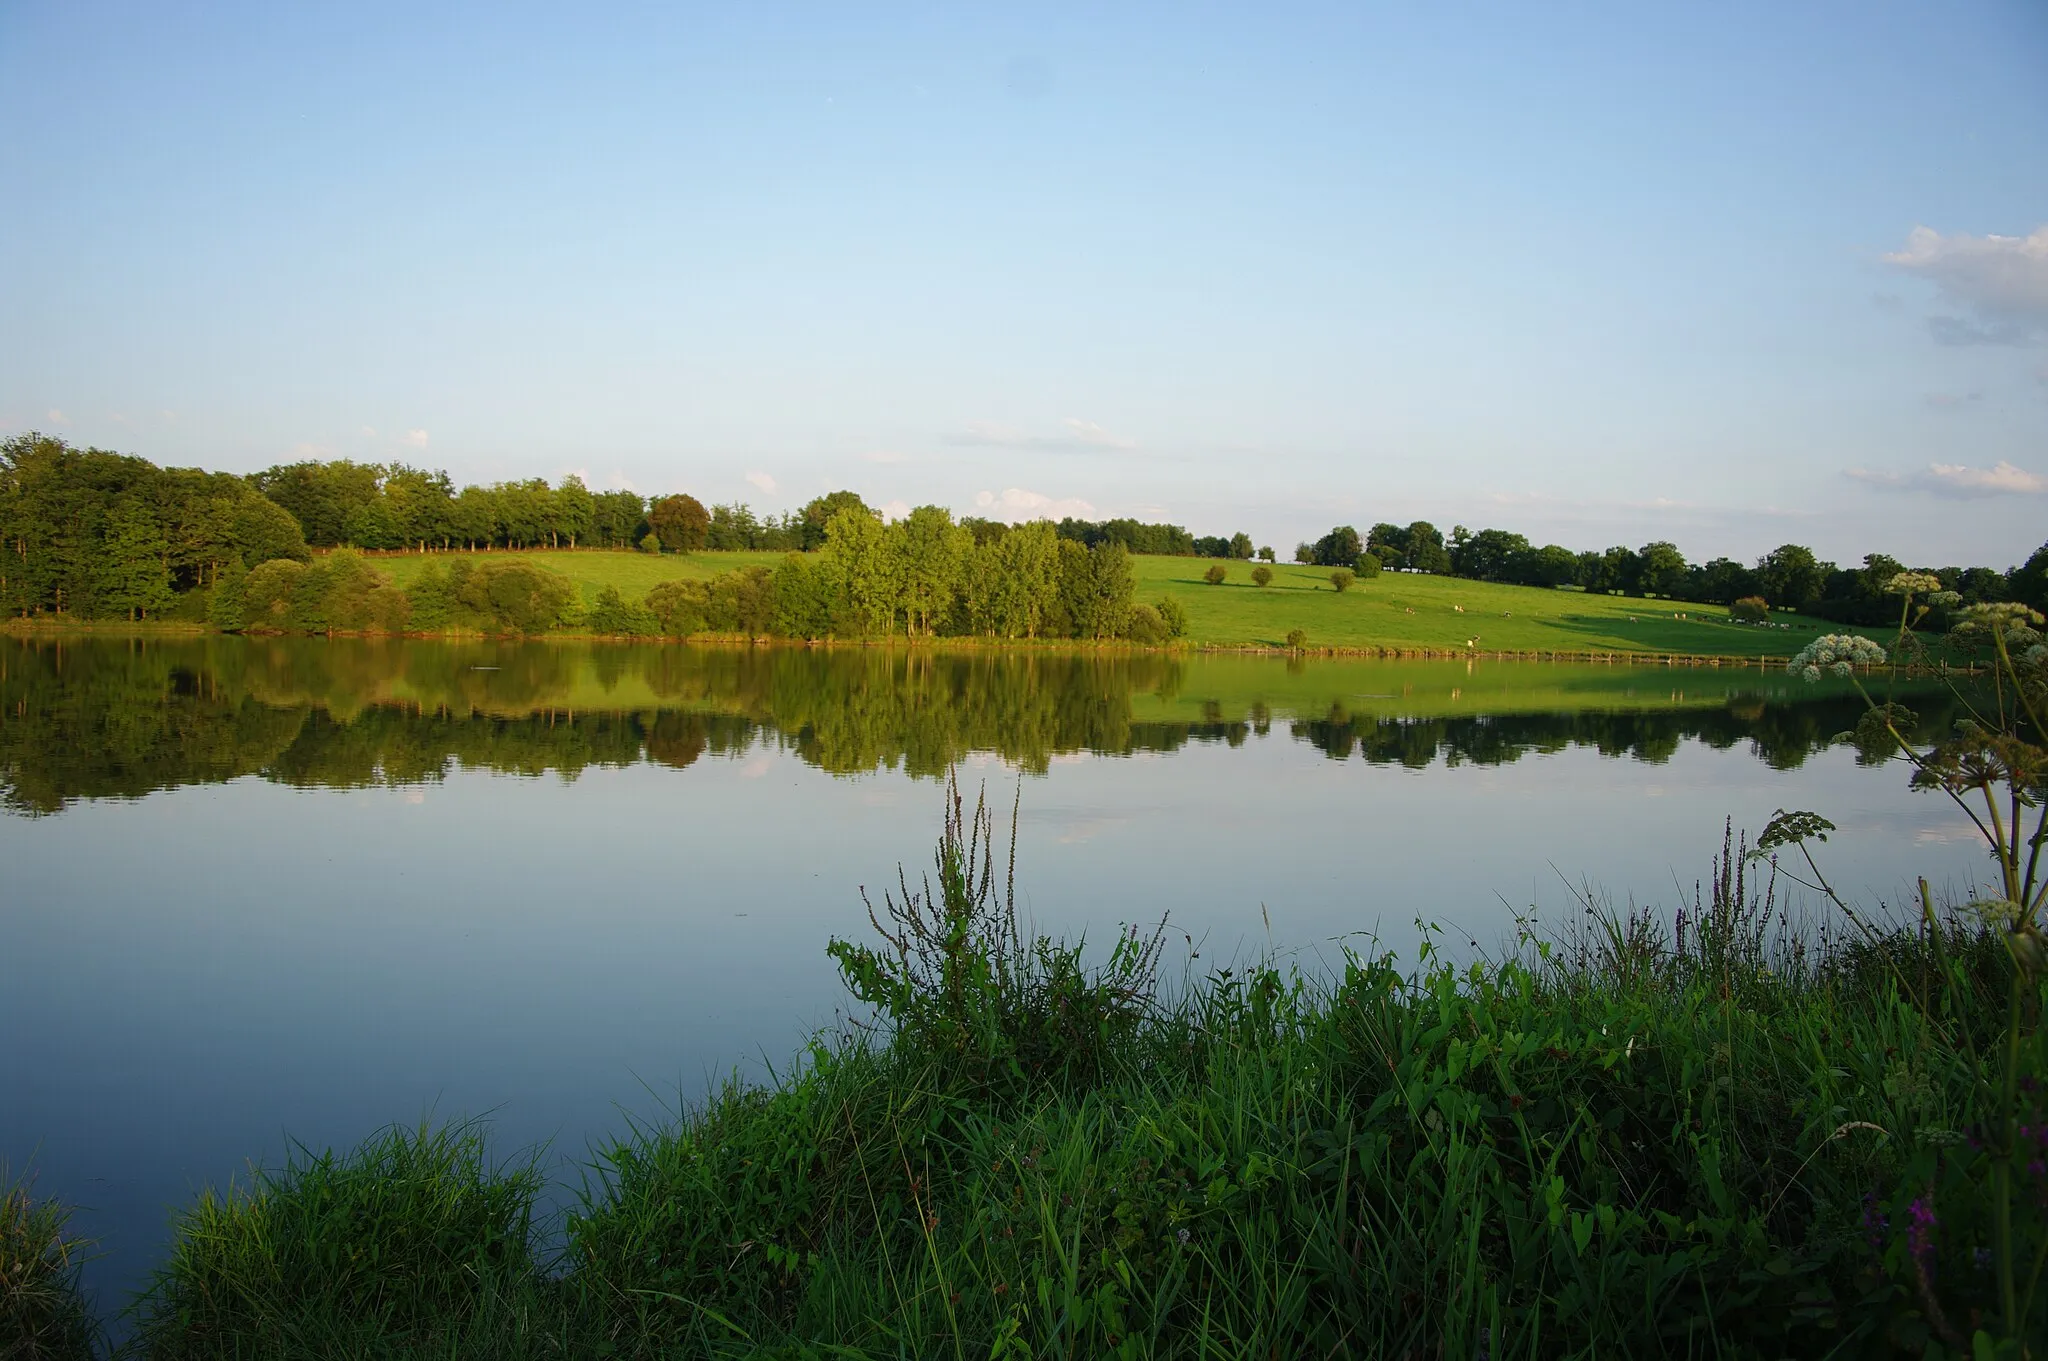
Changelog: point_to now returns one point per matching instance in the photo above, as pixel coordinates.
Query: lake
(259, 890)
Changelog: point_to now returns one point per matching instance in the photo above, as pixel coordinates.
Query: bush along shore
(1713, 1135)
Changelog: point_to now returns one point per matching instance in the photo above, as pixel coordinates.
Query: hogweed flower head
(1840, 653)
(1912, 583)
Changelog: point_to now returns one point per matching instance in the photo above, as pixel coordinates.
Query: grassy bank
(1392, 612)
(1703, 1137)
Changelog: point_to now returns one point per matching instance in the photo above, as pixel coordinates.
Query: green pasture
(1395, 612)
(1426, 613)
(592, 569)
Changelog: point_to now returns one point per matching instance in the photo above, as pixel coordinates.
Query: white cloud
(370, 431)
(1948, 401)
(885, 456)
(56, 417)
(1957, 481)
(1075, 435)
(1015, 504)
(1094, 436)
(305, 451)
(762, 481)
(894, 510)
(2000, 282)
(417, 439)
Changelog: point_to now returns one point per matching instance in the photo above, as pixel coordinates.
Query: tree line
(923, 576)
(1790, 576)
(92, 534)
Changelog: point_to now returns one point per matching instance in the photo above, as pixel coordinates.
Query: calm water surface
(266, 890)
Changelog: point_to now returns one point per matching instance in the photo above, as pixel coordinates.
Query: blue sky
(1729, 275)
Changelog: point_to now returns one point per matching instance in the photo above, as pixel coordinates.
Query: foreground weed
(1976, 1196)
(43, 1314)
(412, 1243)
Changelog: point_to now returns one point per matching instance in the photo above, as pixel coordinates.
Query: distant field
(1393, 611)
(635, 574)
(1422, 612)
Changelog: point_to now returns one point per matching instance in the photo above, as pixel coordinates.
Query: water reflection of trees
(1783, 736)
(114, 719)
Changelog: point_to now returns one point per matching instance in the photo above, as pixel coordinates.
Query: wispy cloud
(1999, 284)
(1949, 401)
(415, 439)
(1074, 435)
(56, 417)
(1016, 504)
(1956, 481)
(763, 481)
(885, 456)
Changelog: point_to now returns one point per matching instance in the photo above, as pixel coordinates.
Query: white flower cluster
(1912, 583)
(2008, 614)
(1946, 600)
(1840, 653)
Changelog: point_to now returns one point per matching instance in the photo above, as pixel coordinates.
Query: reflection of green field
(1372, 614)
(117, 718)
(1230, 688)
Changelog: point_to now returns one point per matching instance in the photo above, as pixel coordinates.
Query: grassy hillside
(1395, 612)
(593, 569)
(1424, 613)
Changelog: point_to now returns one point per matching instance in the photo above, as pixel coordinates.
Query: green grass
(1721, 1139)
(1372, 615)
(43, 1314)
(1399, 612)
(593, 569)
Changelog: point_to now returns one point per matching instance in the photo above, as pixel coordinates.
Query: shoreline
(38, 628)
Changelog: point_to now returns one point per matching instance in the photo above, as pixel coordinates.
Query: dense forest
(89, 534)
(119, 718)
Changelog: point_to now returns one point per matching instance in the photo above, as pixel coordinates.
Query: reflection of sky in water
(207, 970)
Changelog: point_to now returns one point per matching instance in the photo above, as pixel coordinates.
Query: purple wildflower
(1875, 1223)
(1920, 1226)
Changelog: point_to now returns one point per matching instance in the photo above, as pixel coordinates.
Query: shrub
(679, 608)
(1369, 565)
(42, 1311)
(1751, 609)
(267, 594)
(650, 542)
(610, 613)
(1175, 617)
(1146, 627)
(1215, 575)
(1342, 578)
(1297, 638)
(1261, 575)
(226, 603)
(515, 597)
